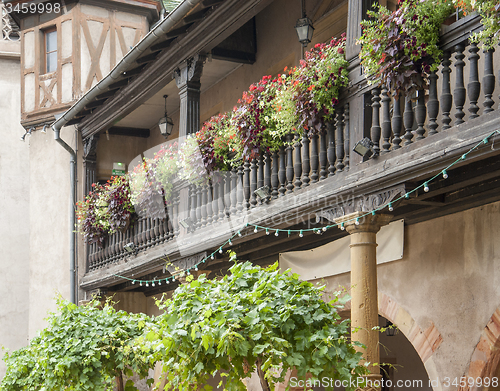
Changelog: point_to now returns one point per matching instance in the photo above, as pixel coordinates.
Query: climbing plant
(82, 349)
(253, 319)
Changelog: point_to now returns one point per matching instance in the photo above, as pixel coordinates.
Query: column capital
(189, 71)
(362, 222)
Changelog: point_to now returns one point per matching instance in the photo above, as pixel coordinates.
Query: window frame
(45, 32)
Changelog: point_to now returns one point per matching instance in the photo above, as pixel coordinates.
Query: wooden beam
(94, 104)
(179, 31)
(131, 132)
(195, 16)
(233, 55)
(118, 84)
(162, 45)
(147, 58)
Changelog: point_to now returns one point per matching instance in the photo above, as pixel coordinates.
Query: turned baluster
(323, 155)
(220, 198)
(169, 227)
(274, 176)
(339, 141)
(204, 214)
(446, 97)
(474, 87)
(246, 184)
(156, 231)
(253, 183)
(397, 122)
(267, 171)
(289, 163)
(227, 193)
(347, 135)
(459, 92)
(375, 129)
(282, 172)
(215, 200)
(314, 158)
(408, 120)
(433, 104)
(144, 236)
(210, 200)
(90, 256)
(198, 206)
(306, 163)
(175, 211)
(260, 172)
(149, 231)
(488, 80)
(234, 190)
(111, 247)
(330, 152)
(386, 121)
(239, 189)
(298, 162)
(192, 209)
(420, 114)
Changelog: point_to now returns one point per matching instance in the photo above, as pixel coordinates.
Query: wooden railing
(305, 161)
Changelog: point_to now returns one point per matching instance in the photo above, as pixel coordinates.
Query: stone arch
(485, 359)
(425, 341)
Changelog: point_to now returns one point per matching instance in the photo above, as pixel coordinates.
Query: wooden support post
(364, 303)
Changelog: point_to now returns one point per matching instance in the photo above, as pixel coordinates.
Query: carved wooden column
(187, 77)
(89, 162)
(364, 302)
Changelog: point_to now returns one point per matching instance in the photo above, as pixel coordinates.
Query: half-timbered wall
(90, 41)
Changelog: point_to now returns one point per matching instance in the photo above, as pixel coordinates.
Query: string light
(319, 231)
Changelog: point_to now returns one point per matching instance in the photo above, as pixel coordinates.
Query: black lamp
(304, 27)
(166, 124)
(390, 330)
(364, 147)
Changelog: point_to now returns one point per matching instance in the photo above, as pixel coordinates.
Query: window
(50, 50)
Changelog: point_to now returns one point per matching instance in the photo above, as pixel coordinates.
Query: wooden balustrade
(303, 160)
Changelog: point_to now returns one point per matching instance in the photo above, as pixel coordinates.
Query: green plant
(489, 10)
(106, 209)
(399, 49)
(165, 168)
(191, 166)
(251, 319)
(82, 349)
(318, 82)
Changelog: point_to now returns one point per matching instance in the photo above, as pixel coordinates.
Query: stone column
(364, 302)
(187, 77)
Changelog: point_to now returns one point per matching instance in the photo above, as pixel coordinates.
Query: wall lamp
(304, 27)
(28, 132)
(364, 148)
(186, 223)
(131, 248)
(390, 330)
(166, 124)
(264, 193)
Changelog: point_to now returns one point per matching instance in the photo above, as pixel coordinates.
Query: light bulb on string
(239, 234)
(147, 284)
(188, 271)
(342, 226)
(390, 207)
(301, 234)
(357, 221)
(141, 283)
(220, 250)
(267, 231)
(196, 268)
(168, 281)
(153, 284)
(159, 282)
(255, 230)
(277, 233)
(133, 282)
(445, 174)
(324, 229)
(230, 243)
(373, 213)
(464, 156)
(407, 195)
(426, 187)
(212, 257)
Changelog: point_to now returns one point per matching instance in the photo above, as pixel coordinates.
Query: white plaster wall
(14, 212)
(50, 206)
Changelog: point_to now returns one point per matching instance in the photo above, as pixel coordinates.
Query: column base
(373, 383)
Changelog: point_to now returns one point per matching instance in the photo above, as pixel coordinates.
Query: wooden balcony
(414, 138)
